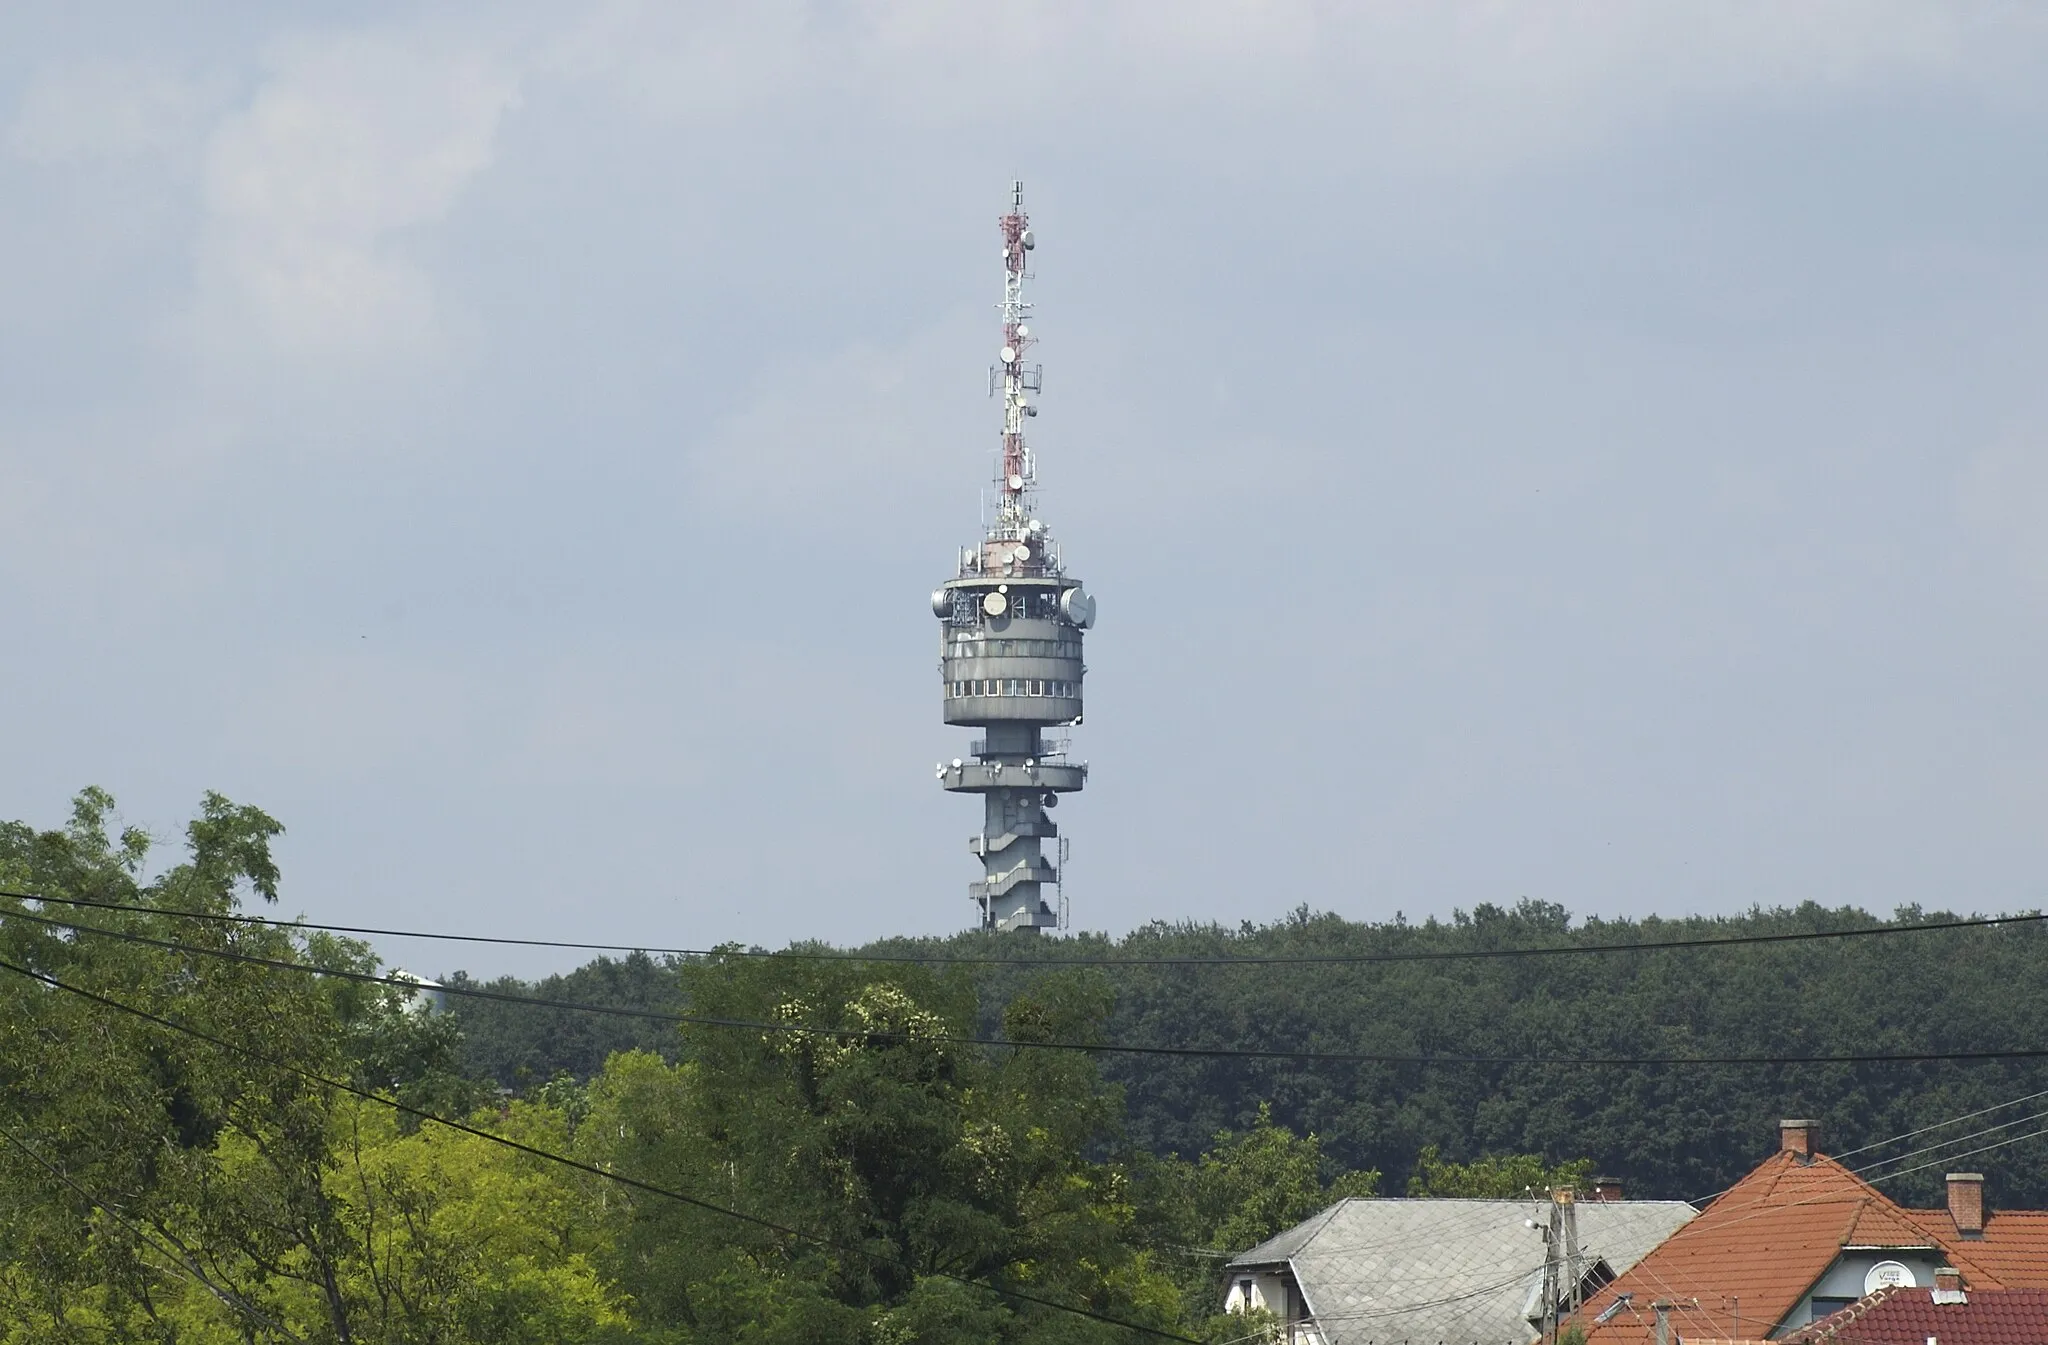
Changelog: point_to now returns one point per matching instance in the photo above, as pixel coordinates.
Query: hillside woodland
(222, 1131)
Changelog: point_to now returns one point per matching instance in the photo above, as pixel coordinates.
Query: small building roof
(1452, 1271)
(1901, 1316)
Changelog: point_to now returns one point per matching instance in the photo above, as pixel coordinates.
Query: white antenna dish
(1009, 354)
(995, 604)
(1022, 552)
(1016, 482)
(1023, 331)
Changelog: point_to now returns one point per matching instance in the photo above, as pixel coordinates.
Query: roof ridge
(1826, 1327)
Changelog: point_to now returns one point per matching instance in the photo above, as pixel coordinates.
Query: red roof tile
(1746, 1262)
(1912, 1317)
(2013, 1252)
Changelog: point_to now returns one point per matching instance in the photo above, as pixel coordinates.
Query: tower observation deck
(1011, 622)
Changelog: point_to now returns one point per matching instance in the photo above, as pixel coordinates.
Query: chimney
(1797, 1137)
(1948, 1286)
(1966, 1202)
(1606, 1188)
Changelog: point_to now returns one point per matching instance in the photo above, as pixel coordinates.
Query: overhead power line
(1940, 1125)
(1060, 960)
(564, 1160)
(1091, 1048)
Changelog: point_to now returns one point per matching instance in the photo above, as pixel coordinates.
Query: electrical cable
(1950, 1158)
(1938, 1125)
(946, 959)
(591, 1169)
(226, 1296)
(1930, 1148)
(1093, 1048)
(1869, 1170)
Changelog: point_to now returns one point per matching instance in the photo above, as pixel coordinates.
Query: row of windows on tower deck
(1017, 686)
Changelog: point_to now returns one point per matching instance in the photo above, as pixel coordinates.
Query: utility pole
(1553, 1242)
(1564, 1267)
(1565, 1200)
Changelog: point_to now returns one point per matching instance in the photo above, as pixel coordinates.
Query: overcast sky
(1584, 451)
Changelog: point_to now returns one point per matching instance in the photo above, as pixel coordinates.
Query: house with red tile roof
(1949, 1313)
(1802, 1238)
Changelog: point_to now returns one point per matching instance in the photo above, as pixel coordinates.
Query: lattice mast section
(1017, 474)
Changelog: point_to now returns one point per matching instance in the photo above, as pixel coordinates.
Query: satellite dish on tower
(1077, 607)
(995, 604)
(1009, 354)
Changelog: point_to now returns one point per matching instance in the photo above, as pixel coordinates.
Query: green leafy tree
(1499, 1177)
(1251, 1185)
(914, 1164)
(166, 1188)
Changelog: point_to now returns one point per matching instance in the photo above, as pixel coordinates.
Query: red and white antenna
(1018, 471)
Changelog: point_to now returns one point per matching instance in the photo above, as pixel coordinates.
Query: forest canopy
(202, 1140)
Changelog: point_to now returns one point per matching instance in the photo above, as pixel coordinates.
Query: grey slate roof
(1460, 1272)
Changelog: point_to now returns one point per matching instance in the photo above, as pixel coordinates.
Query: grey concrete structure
(1010, 660)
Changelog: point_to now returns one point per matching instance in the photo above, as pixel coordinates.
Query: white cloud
(106, 109)
(349, 141)
(845, 433)
(1483, 81)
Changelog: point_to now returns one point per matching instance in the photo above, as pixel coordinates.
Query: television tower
(1010, 644)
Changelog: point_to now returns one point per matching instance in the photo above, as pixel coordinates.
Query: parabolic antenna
(1022, 552)
(942, 603)
(995, 604)
(1009, 354)
(1016, 482)
(1078, 608)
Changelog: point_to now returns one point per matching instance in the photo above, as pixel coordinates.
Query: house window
(1823, 1307)
(1244, 1295)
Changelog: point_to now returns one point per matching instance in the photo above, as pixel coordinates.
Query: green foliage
(137, 1159)
(1668, 1132)
(518, 1047)
(1499, 1177)
(899, 1167)
(1248, 1187)
(908, 1161)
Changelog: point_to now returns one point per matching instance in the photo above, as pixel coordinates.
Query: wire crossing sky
(1028, 957)
(1183, 1051)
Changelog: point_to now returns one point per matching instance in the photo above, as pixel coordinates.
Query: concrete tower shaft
(1010, 638)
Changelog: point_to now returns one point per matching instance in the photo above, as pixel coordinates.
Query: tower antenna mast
(1010, 646)
(1018, 473)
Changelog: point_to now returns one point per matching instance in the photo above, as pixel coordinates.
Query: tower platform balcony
(983, 777)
